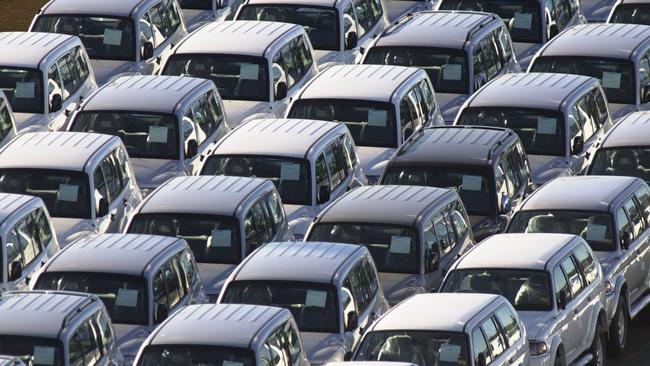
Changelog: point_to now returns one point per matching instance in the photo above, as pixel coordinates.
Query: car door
(85, 346)
(499, 354)
(209, 122)
(643, 200)
(579, 305)
(64, 77)
(24, 247)
(629, 218)
(566, 321)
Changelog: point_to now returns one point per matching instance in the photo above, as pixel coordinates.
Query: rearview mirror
(147, 50)
(192, 149)
(15, 271)
(626, 240)
(562, 300)
(578, 145)
(352, 321)
(281, 90)
(162, 312)
(323, 195)
(102, 208)
(56, 103)
(351, 41)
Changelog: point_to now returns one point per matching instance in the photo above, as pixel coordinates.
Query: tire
(559, 358)
(619, 330)
(598, 348)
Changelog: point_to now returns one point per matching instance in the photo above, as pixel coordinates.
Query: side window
(492, 63)
(575, 282)
(586, 263)
(279, 70)
(171, 281)
(146, 32)
(408, 117)
(261, 225)
(429, 101)
(377, 11)
(416, 99)
(279, 351)
(371, 274)
(364, 17)
(216, 113)
(575, 123)
(322, 177)
(68, 76)
(81, 64)
(160, 23)
(349, 20)
(622, 222)
(105, 336)
(54, 84)
(187, 265)
(122, 164)
(114, 162)
(101, 191)
(635, 217)
(597, 101)
(336, 173)
(252, 242)
(504, 44)
(351, 149)
(360, 288)
(6, 121)
(478, 65)
(112, 181)
(589, 126)
(76, 354)
(26, 240)
(13, 249)
(644, 76)
(457, 217)
(509, 324)
(495, 342)
(303, 59)
(561, 283)
(444, 233)
(89, 350)
(480, 346)
(643, 195)
(159, 293)
(275, 209)
(291, 66)
(42, 227)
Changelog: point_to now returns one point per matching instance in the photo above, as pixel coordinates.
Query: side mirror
(347, 356)
(506, 204)
(323, 195)
(554, 31)
(577, 146)
(563, 300)
(434, 262)
(147, 50)
(626, 240)
(503, 222)
(56, 103)
(481, 79)
(482, 361)
(351, 41)
(281, 90)
(645, 94)
(161, 313)
(407, 133)
(15, 271)
(352, 321)
(102, 209)
(192, 149)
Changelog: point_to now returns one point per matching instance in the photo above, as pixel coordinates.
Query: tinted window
(480, 345)
(571, 272)
(493, 338)
(638, 13)
(586, 263)
(624, 161)
(509, 325)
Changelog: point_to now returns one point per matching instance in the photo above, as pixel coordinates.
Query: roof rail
(475, 127)
(499, 143)
(396, 23)
(87, 301)
(480, 26)
(410, 141)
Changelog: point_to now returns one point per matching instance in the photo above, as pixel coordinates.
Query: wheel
(597, 349)
(618, 331)
(559, 358)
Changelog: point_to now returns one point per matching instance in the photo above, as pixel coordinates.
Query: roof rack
(410, 141)
(499, 143)
(478, 27)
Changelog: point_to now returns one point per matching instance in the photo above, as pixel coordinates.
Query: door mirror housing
(645, 94)
(352, 321)
(626, 240)
(323, 195)
(56, 103)
(192, 149)
(554, 31)
(351, 41)
(162, 312)
(562, 300)
(281, 90)
(482, 361)
(147, 50)
(15, 271)
(102, 208)
(433, 263)
(347, 356)
(506, 204)
(578, 145)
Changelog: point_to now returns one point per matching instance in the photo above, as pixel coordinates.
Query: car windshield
(632, 13)
(616, 76)
(594, 227)
(625, 161)
(540, 131)
(65, 193)
(104, 38)
(23, 88)
(447, 68)
(191, 355)
(423, 348)
(527, 290)
(393, 248)
(153, 136)
(370, 123)
(32, 351)
(313, 305)
(473, 186)
(290, 176)
(213, 239)
(124, 296)
(320, 23)
(523, 18)
(196, 4)
(236, 77)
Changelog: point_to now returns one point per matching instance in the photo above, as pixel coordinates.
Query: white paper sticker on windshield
(449, 353)
(43, 355)
(289, 171)
(452, 72)
(523, 21)
(127, 298)
(68, 192)
(400, 244)
(472, 182)
(231, 363)
(157, 134)
(611, 80)
(112, 37)
(315, 298)
(377, 118)
(25, 90)
(546, 126)
(596, 232)
(248, 71)
(220, 238)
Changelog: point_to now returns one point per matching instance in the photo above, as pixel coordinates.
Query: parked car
(413, 233)
(630, 11)
(613, 215)
(61, 168)
(487, 165)
(381, 106)
(331, 289)
(257, 66)
(197, 13)
(168, 124)
(441, 43)
(27, 237)
(310, 162)
(559, 127)
(223, 219)
(57, 328)
(556, 285)
(122, 37)
(140, 279)
(7, 122)
(30, 64)
(616, 54)
(226, 334)
(338, 31)
(476, 329)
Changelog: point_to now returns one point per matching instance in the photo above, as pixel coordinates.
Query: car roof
(324, 3)
(445, 29)
(39, 313)
(240, 37)
(453, 145)
(29, 49)
(127, 254)
(578, 193)
(425, 312)
(631, 130)
(360, 82)
(212, 195)
(291, 138)
(598, 40)
(53, 150)
(10, 203)
(120, 8)
(145, 93)
(515, 251)
(390, 204)
(530, 90)
(233, 325)
(291, 261)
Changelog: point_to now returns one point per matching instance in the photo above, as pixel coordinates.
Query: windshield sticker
(546, 126)
(290, 171)
(127, 298)
(472, 183)
(248, 71)
(452, 71)
(25, 90)
(316, 298)
(68, 192)
(523, 21)
(377, 118)
(596, 232)
(220, 238)
(400, 244)
(231, 363)
(611, 80)
(157, 134)
(449, 353)
(43, 355)
(112, 37)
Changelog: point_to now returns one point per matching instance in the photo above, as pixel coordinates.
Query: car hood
(618, 110)
(399, 286)
(525, 52)
(238, 110)
(30, 122)
(105, 70)
(596, 11)
(150, 173)
(449, 105)
(322, 348)
(545, 168)
(68, 230)
(213, 275)
(536, 323)
(129, 338)
(374, 159)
